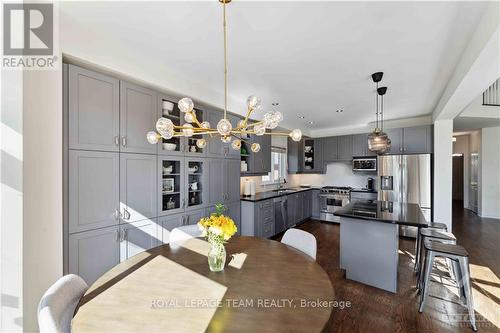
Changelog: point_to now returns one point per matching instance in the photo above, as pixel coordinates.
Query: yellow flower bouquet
(217, 229)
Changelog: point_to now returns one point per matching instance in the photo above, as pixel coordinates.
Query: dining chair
(58, 304)
(184, 232)
(301, 240)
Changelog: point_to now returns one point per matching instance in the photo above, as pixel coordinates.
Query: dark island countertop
(384, 211)
(363, 190)
(275, 194)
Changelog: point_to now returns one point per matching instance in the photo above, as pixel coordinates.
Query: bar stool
(457, 254)
(418, 243)
(437, 235)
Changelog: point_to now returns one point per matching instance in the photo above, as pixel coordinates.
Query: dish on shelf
(193, 169)
(307, 149)
(169, 146)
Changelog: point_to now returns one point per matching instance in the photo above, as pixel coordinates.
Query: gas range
(332, 198)
(345, 190)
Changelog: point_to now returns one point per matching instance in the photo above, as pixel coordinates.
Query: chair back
(57, 305)
(301, 240)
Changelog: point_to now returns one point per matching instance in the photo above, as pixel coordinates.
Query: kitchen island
(369, 240)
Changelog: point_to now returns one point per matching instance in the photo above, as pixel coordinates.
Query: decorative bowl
(169, 146)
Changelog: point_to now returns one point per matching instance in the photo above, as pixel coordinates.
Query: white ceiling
(311, 57)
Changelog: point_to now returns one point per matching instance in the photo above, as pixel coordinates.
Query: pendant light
(378, 140)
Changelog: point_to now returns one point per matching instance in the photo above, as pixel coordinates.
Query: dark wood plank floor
(375, 310)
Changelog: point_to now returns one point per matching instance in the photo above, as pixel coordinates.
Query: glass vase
(216, 257)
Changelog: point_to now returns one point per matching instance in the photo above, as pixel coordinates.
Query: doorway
(458, 178)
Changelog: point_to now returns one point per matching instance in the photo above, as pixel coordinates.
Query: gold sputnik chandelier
(166, 129)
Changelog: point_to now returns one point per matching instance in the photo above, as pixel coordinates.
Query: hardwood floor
(375, 310)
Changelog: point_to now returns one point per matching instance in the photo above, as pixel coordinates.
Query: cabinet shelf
(171, 174)
(170, 193)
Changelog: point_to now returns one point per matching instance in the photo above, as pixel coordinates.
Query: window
(278, 166)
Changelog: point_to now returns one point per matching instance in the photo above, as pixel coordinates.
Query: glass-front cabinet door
(168, 109)
(172, 198)
(191, 149)
(196, 183)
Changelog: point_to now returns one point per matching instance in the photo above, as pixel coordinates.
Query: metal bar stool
(418, 243)
(437, 235)
(458, 254)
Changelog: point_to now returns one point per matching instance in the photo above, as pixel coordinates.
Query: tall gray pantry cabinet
(117, 202)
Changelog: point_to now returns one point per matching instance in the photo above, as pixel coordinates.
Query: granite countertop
(275, 194)
(364, 190)
(384, 211)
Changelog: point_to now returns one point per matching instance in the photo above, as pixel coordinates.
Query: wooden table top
(266, 287)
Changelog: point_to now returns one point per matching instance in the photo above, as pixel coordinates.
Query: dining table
(266, 286)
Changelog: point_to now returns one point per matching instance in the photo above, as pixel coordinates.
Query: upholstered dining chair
(184, 232)
(57, 305)
(301, 240)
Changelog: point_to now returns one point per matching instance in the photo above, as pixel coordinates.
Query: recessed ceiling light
(311, 122)
(301, 117)
(275, 104)
(340, 111)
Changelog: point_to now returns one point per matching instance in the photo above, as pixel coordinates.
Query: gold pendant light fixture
(166, 129)
(378, 140)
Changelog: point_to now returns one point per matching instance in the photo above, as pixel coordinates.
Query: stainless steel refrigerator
(406, 178)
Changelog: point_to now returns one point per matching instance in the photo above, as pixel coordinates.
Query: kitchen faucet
(280, 185)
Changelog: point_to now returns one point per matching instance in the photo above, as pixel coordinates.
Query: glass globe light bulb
(189, 117)
(278, 116)
(255, 147)
(185, 104)
(188, 131)
(225, 139)
(164, 125)
(267, 119)
(272, 125)
(224, 127)
(296, 134)
(254, 102)
(236, 144)
(205, 125)
(152, 137)
(259, 129)
(201, 143)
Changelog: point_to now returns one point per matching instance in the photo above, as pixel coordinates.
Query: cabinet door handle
(183, 203)
(117, 140)
(124, 235)
(117, 235)
(124, 141)
(117, 214)
(126, 214)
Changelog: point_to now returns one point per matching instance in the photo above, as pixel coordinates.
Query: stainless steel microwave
(364, 163)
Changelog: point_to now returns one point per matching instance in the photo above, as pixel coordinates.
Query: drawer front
(267, 212)
(265, 204)
(268, 230)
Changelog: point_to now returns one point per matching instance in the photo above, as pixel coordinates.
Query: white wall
(42, 188)
(461, 146)
(443, 133)
(490, 172)
(11, 205)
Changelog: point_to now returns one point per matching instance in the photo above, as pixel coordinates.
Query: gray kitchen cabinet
(232, 180)
(260, 163)
(330, 149)
(417, 139)
(293, 154)
(315, 203)
(257, 218)
(175, 145)
(138, 115)
(312, 156)
(137, 237)
(92, 253)
(396, 136)
(94, 110)
(217, 193)
(306, 205)
(93, 190)
(166, 224)
(190, 147)
(194, 216)
(345, 148)
(234, 212)
(229, 151)
(360, 145)
(294, 209)
(171, 185)
(196, 183)
(138, 187)
(216, 148)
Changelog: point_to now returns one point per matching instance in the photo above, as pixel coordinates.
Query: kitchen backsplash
(338, 174)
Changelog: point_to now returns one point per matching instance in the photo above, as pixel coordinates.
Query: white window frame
(267, 180)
